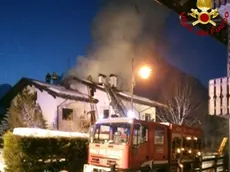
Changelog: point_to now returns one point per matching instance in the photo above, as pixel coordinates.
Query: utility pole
(228, 75)
(132, 86)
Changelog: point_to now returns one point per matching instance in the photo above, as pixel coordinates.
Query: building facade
(62, 109)
(143, 108)
(70, 107)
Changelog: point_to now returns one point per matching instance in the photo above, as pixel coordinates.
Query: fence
(204, 164)
(210, 164)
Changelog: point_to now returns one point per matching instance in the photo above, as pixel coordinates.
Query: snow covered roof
(123, 95)
(139, 99)
(54, 90)
(115, 120)
(61, 91)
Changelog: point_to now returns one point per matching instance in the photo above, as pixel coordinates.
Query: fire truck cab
(137, 145)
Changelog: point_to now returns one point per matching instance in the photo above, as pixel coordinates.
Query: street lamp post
(144, 73)
(133, 85)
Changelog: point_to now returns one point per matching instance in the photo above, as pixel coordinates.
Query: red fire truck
(136, 145)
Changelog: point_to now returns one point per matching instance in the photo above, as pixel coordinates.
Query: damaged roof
(123, 95)
(54, 90)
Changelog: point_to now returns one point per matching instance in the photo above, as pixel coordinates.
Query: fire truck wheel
(146, 168)
(160, 170)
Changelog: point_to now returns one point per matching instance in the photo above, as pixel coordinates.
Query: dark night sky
(41, 35)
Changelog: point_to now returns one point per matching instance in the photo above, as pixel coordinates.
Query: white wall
(49, 106)
(141, 110)
(101, 96)
(104, 102)
(80, 116)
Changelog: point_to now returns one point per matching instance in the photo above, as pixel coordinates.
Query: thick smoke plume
(122, 30)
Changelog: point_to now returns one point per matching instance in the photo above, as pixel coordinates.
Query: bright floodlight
(100, 116)
(131, 114)
(145, 72)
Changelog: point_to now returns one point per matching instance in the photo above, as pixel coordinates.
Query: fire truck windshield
(113, 133)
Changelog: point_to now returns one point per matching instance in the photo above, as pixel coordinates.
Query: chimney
(101, 78)
(113, 80)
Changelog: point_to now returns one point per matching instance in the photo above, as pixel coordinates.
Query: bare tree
(184, 106)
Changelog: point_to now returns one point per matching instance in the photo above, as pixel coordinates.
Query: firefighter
(54, 77)
(48, 78)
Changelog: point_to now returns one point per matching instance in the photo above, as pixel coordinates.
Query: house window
(147, 117)
(67, 114)
(106, 113)
(35, 95)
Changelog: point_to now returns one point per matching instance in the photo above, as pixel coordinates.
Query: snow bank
(37, 132)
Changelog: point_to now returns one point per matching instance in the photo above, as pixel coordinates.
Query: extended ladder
(222, 145)
(116, 102)
(93, 107)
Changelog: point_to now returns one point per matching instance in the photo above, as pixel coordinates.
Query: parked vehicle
(136, 145)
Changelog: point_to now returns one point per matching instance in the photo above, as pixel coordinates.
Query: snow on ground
(37, 132)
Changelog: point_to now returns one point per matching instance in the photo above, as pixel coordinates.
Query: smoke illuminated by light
(122, 29)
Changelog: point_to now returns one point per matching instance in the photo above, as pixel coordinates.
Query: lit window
(147, 117)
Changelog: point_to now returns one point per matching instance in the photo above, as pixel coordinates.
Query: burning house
(70, 107)
(63, 109)
(112, 101)
(121, 31)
